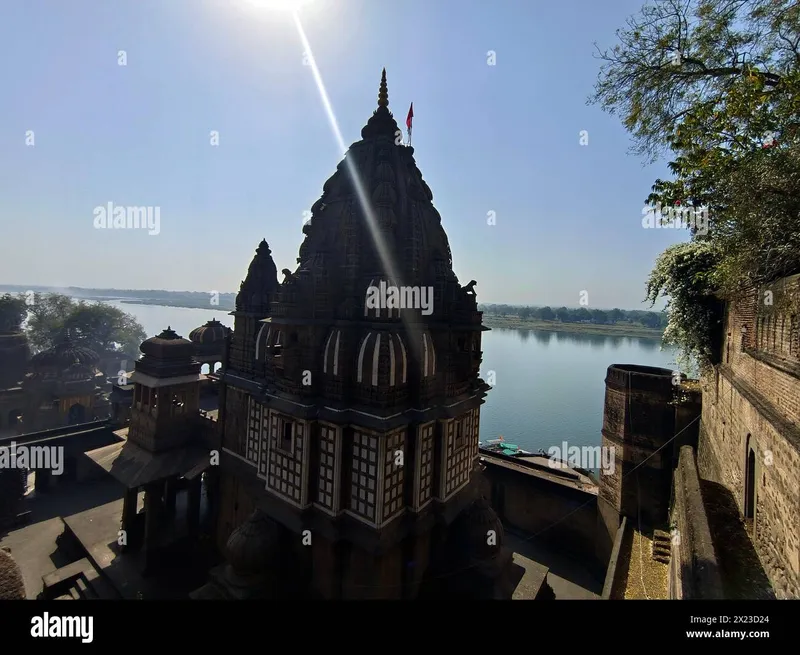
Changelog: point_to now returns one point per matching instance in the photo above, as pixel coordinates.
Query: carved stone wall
(752, 402)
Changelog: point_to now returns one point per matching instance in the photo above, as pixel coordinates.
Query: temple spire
(383, 93)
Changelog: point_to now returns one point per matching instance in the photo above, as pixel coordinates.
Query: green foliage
(717, 83)
(684, 275)
(12, 313)
(98, 326)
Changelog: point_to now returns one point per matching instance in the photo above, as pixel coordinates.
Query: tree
(599, 316)
(547, 314)
(615, 315)
(12, 313)
(98, 326)
(563, 315)
(46, 319)
(717, 83)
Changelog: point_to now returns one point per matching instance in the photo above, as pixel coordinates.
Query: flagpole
(409, 120)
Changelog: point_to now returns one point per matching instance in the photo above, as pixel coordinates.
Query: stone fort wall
(694, 569)
(751, 402)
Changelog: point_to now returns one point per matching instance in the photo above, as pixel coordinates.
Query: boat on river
(502, 447)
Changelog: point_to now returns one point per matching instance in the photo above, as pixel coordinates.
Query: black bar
(622, 625)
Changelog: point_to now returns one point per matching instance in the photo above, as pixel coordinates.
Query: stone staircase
(76, 581)
(662, 546)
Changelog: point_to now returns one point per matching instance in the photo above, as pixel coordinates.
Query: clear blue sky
(501, 138)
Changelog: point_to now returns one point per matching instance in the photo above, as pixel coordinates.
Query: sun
(279, 5)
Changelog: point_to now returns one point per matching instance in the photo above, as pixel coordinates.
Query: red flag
(410, 116)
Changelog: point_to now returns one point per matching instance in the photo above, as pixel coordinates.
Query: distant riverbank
(616, 330)
(507, 322)
(219, 307)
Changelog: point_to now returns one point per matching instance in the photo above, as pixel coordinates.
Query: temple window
(327, 467)
(286, 436)
(178, 404)
(457, 473)
(459, 434)
(254, 430)
(426, 464)
(364, 475)
(393, 500)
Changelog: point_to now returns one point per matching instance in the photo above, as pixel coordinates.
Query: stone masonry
(749, 438)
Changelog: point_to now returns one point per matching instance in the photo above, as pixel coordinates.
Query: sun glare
(279, 5)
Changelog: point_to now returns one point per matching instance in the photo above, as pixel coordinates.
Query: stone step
(75, 593)
(666, 548)
(58, 582)
(84, 590)
(664, 559)
(64, 597)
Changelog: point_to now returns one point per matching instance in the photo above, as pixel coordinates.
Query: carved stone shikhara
(321, 392)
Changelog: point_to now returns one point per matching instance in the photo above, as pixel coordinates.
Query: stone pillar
(152, 518)
(193, 505)
(43, 480)
(213, 495)
(129, 502)
(170, 495)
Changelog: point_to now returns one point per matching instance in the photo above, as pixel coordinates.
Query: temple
(349, 431)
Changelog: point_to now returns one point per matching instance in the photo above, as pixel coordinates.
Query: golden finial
(383, 94)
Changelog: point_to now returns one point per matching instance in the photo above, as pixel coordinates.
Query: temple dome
(12, 584)
(63, 355)
(78, 371)
(382, 359)
(477, 525)
(211, 333)
(168, 345)
(249, 547)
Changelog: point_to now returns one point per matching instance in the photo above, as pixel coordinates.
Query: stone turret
(253, 303)
(258, 288)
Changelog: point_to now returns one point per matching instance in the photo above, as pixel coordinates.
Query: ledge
(779, 423)
(784, 365)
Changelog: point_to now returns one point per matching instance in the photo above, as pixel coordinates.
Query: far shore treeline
(631, 317)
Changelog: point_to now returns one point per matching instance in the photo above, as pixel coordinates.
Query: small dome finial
(383, 93)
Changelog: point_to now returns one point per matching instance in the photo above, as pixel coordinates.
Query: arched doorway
(77, 414)
(217, 366)
(205, 369)
(14, 417)
(750, 486)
